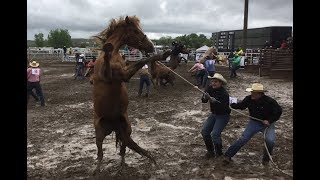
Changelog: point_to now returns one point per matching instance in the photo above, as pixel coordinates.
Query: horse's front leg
(133, 68)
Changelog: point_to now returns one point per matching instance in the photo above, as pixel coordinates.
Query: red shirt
(283, 45)
(91, 63)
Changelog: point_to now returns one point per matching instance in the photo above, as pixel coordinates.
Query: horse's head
(179, 48)
(125, 31)
(134, 36)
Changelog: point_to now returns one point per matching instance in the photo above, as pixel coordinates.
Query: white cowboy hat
(256, 87)
(34, 64)
(218, 76)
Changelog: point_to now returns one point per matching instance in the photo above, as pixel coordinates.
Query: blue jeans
(82, 69)
(199, 77)
(213, 127)
(144, 79)
(37, 86)
(252, 128)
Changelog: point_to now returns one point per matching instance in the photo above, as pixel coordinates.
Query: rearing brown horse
(110, 95)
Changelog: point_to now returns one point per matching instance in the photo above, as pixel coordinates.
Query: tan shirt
(144, 72)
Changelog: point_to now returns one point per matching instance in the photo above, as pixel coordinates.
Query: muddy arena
(61, 138)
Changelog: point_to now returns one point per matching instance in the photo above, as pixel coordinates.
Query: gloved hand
(207, 96)
(233, 105)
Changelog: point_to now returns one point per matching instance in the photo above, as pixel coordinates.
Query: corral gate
(277, 62)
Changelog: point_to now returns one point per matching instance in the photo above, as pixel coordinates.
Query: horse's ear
(108, 47)
(127, 20)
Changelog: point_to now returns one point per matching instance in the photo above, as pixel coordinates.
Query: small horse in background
(160, 73)
(211, 52)
(110, 95)
(175, 59)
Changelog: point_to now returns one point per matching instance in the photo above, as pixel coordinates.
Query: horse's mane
(115, 24)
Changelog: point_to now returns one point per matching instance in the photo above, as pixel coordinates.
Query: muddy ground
(61, 140)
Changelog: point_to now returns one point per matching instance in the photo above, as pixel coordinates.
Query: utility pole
(245, 25)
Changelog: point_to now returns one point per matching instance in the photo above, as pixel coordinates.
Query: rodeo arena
(130, 109)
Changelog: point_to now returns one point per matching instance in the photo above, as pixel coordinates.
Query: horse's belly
(110, 104)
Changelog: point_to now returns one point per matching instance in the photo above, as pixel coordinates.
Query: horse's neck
(153, 65)
(174, 60)
(116, 43)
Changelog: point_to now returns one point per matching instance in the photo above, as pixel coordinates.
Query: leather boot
(210, 149)
(218, 149)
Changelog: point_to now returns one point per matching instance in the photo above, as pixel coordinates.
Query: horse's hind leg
(100, 135)
(122, 153)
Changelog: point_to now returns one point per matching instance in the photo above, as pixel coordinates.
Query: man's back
(209, 65)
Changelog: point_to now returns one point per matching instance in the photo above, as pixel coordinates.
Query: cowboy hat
(218, 76)
(256, 87)
(34, 64)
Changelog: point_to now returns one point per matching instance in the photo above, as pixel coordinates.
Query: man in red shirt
(33, 81)
(284, 44)
(90, 66)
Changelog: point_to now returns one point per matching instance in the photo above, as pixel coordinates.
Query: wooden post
(245, 25)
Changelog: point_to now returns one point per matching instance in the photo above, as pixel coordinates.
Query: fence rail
(275, 62)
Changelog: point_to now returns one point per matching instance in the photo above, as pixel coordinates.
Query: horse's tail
(134, 146)
(123, 137)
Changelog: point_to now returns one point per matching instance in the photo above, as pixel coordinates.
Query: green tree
(83, 45)
(58, 38)
(39, 40)
(191, 41)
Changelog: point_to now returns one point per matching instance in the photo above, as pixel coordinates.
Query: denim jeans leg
(251, 129)
(83, 71)
(270, 141)
(148, 84)
(205, 132)
(141, 85)
(39, 93)
(207, 127)
(198, 78)
(205, 79)
(220, 124)
(76, 72)
(29, 90)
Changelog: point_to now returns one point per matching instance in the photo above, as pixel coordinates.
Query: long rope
(196, 87)
(264, 133)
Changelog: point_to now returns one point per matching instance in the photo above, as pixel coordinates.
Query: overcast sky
(85, 18)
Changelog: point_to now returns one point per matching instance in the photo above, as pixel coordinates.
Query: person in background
(235, 64)
(90, 67)
(34, 74)
(64, 52)
(81, 67)
(283, 44)
(144, 79)
(209, 70)
(200, 72)
(33, 94)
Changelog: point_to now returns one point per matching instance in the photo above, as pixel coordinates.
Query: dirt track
(61, 142)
